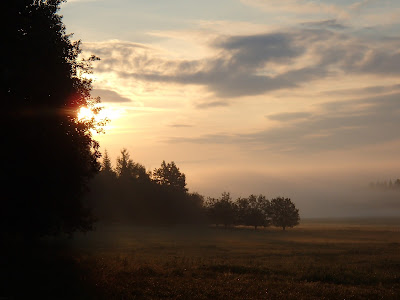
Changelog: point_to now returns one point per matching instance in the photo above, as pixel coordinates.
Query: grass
(319, 259)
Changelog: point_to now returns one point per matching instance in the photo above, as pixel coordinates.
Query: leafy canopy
(169, 175)
(283, 213)
(49, 155)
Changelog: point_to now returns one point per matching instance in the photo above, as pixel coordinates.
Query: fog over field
(316, 196)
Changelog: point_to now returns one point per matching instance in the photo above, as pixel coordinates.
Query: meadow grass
(320, 259)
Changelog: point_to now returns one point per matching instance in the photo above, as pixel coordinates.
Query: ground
(320, 259)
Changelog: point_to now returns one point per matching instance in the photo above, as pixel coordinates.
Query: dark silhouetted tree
(283, 213)
(50, 153)
(139, 173)
(385, 185)
(253, 211)
(133, 189)
(222, 210)
(397, 184)
(127, 169)
(169, 175)
(106, 166)
(124, 165)
(103, 191)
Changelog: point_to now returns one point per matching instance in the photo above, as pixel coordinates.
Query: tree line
(253, 211)
(386, 185)
(130, 193)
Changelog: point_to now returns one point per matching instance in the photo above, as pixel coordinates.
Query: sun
(85, 114)
(104, 113)
(101, 118)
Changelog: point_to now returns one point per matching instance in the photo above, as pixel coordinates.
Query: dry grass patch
(311, 262)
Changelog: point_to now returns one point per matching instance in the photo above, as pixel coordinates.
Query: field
(320, 259)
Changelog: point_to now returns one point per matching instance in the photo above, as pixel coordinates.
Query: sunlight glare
(85, 114)
(104, 117)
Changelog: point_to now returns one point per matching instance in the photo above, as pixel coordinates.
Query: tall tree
(50, 154)
(128, 169)
(124, 164)
(283, 213)
(106, 166)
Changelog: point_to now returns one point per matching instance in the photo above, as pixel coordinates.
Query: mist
(319, 195)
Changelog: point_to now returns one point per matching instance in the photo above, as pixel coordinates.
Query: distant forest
(386, 185)
(129, 193)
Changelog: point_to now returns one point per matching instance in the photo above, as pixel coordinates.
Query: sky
(292, 98)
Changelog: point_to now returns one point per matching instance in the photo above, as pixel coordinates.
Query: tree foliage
(253, 211)
(169, 175)
(141, 197)
(222, 210)
(386, 186)
(124, 165)
(127, 169)
(162, 198)
(106, 169)
(283, 213)
(50, 155)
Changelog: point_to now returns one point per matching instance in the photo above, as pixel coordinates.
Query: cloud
(361, 4)
(289, 116)
(380, 62)
(233, 73)
(369, 90)
(109, 96)
(79, 1)
(180, 125)
(254, 64)
(354, 124)
(342, 10)
(253, 50)
(118, 55)
(326, 24)
(297, 7)
(333, 126)
(211, 104)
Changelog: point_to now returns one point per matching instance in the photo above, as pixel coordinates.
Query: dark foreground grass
(317, 260)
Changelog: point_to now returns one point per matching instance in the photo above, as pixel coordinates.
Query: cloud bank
(256, 64)
(109, 96)
(333, 126)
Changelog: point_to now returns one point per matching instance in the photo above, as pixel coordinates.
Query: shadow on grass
(41, 270)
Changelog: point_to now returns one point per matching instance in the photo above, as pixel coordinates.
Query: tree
(222, 210)
(252, 211)
(397, 184)
(169, 175)
(124, 165)
(127, 169)
(50, 154)
(283, 213)
(139, 173)
(106, 166)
